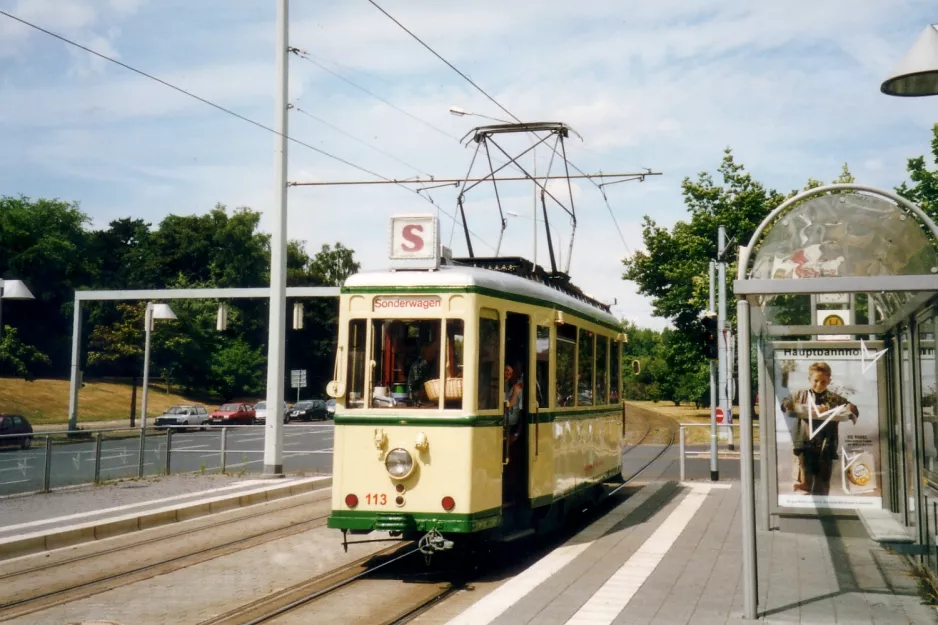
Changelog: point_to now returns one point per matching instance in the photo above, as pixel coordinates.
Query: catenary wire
(227, 111)
(499, 105)
(362, 141)
(307, 57)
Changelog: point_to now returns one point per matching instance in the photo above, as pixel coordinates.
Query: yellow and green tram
(421, 442)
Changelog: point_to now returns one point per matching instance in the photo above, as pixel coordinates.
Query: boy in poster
(815, 455)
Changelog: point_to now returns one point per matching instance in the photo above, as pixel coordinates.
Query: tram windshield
(408, 371)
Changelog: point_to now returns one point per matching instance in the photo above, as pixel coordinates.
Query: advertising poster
(827, 428)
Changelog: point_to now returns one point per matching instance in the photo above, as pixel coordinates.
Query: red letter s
(416, 240)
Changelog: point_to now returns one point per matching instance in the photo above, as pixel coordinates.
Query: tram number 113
(378, 500)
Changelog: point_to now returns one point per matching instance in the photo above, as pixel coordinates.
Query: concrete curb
(35, 542)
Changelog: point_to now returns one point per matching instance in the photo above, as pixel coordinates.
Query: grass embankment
(689, 414)
(45, 402)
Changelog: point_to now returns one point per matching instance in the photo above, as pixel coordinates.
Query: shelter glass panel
(566, 365)
(908, 427)
(929, 391)
(542, 366)
(489, 341)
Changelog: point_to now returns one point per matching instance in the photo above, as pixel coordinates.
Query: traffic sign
(298, 378)
(719, 413)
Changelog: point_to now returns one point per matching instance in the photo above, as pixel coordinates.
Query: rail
(43, 461)
(681, 438)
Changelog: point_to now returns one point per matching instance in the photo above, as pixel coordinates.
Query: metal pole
(714, 456)
(762, 385)
(534, 207)
(148, 323)
(169, 448)
(870, 312)
(1, 308)
(722, 352)
(812, 298)
(74, 383)
(750, 571)
(47, 474)
(224, 444)
(681, 432)
(97, 457)
(273, 430)
(143, 448)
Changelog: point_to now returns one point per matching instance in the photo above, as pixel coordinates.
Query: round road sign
(719, 413)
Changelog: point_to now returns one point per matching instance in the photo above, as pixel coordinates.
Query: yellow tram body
(465, 475)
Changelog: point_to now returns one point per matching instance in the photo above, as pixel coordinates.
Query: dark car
(309, 409)
(15, 424)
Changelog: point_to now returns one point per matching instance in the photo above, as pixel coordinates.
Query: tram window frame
(601, 370)
(454, 360)
(421, 340)
(355, 368)
(615, 371)
(488, 375)
(565, 377)
(542, 366)
(587, 357)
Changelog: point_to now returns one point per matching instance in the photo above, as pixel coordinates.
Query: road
(307, 448)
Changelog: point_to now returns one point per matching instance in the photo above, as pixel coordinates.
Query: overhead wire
(499, 105)
(358, 140)
(227, 111)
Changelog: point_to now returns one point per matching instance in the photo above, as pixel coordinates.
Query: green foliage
(924, 190)
(17, 357)
(235, 368)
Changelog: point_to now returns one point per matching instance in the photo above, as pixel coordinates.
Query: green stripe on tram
(415, 521)
(481, 290)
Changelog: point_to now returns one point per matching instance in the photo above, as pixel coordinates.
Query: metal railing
(681, 438)
(55, 459)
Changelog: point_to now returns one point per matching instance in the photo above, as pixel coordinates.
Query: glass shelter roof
(841, 240)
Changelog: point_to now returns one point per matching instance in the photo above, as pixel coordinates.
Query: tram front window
(406, 354)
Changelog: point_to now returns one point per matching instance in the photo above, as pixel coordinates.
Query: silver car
(260, 412)
(192, 416)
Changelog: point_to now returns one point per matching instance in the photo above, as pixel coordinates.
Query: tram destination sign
(408, 302)
(414, 242)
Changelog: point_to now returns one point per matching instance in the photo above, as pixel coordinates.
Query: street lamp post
(12, 289)
(154, 311)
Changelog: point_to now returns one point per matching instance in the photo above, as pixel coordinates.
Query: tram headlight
(399, 463)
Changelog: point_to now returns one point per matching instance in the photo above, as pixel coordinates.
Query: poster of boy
(827, 427)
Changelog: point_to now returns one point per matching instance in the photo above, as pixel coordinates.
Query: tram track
(21, 596)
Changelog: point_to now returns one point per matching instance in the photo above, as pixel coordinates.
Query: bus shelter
(836, 310)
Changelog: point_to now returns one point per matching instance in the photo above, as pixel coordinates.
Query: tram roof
(455, 276)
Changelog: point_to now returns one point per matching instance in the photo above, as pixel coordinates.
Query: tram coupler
(433, 542)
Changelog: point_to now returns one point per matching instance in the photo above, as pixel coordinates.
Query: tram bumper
(408, 523)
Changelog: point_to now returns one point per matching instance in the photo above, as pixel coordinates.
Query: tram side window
(566, 365)
(406, 353)
(542, 364)
(585, 370)
(602, 344)
(615, 365)
(452, 372)
(355, 386)
(489, 379)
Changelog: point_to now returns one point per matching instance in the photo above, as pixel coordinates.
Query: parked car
(330, 408)
(260, 412)
(309, 409)
(15, 424)
(233, 414)
(195, 416)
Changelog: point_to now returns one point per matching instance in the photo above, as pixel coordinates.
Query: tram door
(517, 356)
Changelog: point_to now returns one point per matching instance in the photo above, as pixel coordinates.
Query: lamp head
(917, 73)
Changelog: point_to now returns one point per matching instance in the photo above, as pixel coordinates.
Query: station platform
(65, 517)
(672, 553)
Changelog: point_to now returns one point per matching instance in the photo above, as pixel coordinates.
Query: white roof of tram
(462, 276)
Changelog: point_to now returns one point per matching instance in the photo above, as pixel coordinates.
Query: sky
(792, 87)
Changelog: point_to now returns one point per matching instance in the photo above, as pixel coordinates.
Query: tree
(924, 190)
(117, 348)
(18, 357)
(235, 367)
(332, 265)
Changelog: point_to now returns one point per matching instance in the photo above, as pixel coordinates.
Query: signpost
(298, 381)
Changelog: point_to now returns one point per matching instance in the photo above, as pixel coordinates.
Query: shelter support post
(765, 413)
(714, 436)
(750, 571)
(74, 375)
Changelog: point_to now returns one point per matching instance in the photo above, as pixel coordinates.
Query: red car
(233, 414)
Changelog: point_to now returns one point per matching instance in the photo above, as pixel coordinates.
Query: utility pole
(725, 399)
(714, 458)
(273, 429)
